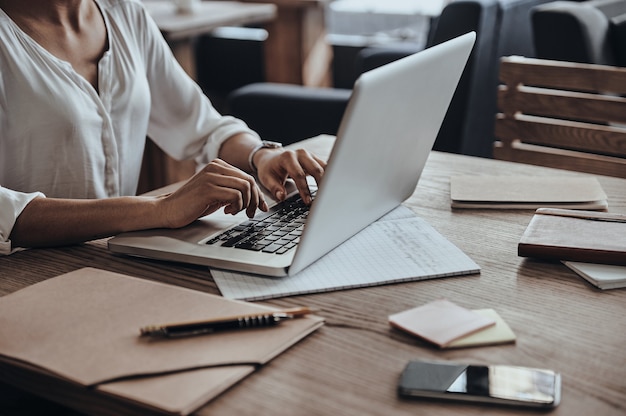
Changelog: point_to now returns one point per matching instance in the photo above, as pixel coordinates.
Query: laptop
(386, 134)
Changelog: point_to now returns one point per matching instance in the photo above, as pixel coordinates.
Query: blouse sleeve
(183, 122)
(12, 203)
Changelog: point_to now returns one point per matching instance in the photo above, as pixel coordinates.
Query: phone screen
(494, 383)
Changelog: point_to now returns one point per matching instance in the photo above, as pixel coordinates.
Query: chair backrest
(581, 31)
(502, 27)
(563, 115)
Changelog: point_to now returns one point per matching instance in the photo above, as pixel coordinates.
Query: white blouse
(62, 138)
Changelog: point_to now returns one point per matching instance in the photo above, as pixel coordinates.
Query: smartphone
(498, 384)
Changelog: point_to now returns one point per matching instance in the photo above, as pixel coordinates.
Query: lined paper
(399, 247)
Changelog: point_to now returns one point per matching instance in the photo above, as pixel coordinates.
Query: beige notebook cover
(526, 192)
(77, 336)
(575, 235)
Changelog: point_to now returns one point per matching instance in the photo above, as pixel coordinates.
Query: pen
(254, 320)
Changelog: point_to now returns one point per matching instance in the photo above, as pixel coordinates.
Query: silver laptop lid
(386, 135)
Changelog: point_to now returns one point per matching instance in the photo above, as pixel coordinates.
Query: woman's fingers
(296, 165)
(227, 176)
(217, 185)
(312, 165)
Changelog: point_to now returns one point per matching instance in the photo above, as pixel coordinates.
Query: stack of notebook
(593, 244)
(566, 225)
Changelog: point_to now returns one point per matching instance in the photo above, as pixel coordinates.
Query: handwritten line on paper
(399, 247)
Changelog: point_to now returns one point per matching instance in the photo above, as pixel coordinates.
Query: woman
(82, 82)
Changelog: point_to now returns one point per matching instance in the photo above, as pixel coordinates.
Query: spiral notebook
(400, 247)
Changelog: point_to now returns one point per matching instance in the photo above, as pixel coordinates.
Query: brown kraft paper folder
(582, 236)
(75, 339)
(526, 192)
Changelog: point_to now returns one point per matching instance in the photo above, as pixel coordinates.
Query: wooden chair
(562, 115)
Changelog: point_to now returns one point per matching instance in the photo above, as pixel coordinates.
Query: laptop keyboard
(276, 231)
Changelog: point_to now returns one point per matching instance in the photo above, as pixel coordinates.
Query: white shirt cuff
(12, 203)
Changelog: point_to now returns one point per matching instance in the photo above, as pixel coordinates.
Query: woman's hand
(275, 166)
(217, 185)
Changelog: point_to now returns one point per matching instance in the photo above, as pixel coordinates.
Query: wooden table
(179, 29)
(296, 51)
(351, 365)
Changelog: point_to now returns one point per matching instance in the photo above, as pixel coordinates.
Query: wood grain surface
(352, 364)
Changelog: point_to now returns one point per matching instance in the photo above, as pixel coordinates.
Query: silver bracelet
(263, 145)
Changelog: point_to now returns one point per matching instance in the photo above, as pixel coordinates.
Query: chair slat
(561, 159)
(563, 104)
(563, 75)
(564, 134)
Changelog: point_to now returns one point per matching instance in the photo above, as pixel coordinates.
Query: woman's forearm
(55, 222)
(236, 150)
